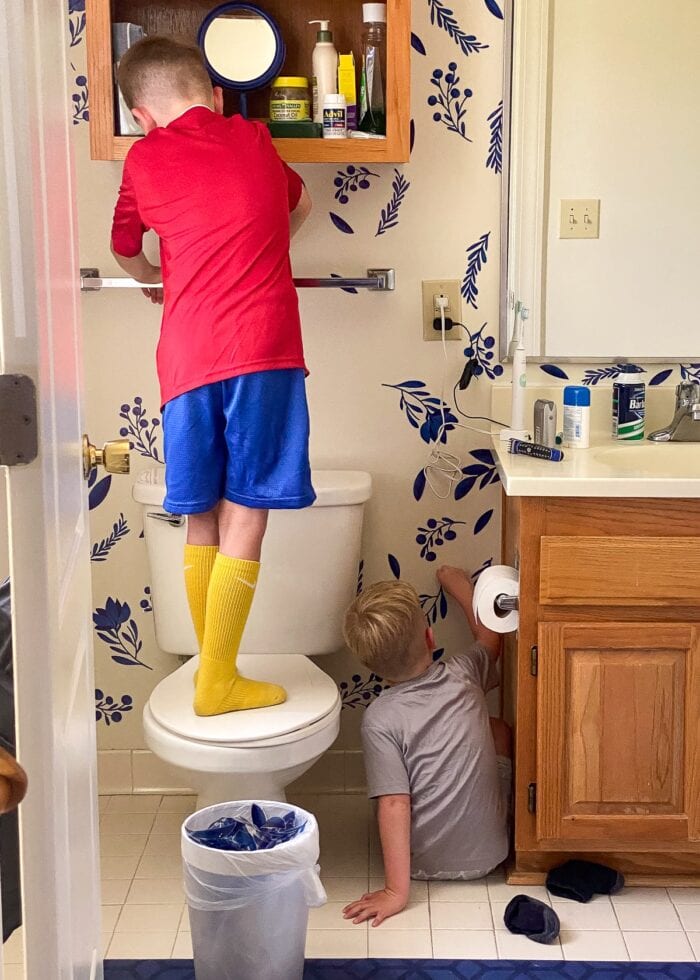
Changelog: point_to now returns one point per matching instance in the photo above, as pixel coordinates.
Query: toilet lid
(311, 695)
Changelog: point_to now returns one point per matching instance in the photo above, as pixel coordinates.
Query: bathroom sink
(651, 459)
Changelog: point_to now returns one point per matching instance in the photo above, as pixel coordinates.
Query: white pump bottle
(324, 62)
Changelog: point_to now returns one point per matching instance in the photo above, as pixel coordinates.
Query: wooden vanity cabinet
(183, 17)
(602, 685)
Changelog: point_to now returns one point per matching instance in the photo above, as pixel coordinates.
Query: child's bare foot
(454, 580)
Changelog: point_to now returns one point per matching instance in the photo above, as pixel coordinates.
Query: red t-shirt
(218, 196)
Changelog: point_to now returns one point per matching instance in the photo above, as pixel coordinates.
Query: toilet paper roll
(493, 582)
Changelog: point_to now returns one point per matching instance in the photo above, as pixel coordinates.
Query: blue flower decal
(494, 160)
(146, 603)
(477, 257)
(76, 21)
(451, 101)
(690, 372)
(444, 17)
(434, 535)
(363, 690)
(109, 710)
(143, 433)
(390, 214)
(434, 606)
(101, 550)
(424, 411)
(81, 108)
(119, 631)
(351, 180)
(481, 350)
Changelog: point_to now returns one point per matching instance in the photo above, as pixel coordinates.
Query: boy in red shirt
(230, 359)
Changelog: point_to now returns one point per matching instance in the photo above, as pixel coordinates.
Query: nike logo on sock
(251, 585)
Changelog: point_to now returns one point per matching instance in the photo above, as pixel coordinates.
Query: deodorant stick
(577, 417)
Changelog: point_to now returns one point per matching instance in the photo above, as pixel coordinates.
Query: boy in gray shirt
(437, 765)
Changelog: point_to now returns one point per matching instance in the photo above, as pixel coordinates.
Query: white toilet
(308, 577)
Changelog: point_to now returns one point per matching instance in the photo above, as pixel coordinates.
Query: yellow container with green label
(289, 100)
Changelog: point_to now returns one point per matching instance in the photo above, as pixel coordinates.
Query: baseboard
(130, 771)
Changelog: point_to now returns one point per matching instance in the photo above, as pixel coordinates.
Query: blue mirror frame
(261, 80)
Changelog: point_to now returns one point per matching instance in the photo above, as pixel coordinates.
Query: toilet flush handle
(174, 520)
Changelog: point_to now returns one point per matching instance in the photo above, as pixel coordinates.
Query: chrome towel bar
(378, 280)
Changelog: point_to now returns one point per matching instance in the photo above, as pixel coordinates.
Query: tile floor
(144, 916)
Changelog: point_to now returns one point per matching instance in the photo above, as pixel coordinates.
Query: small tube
(520, 448)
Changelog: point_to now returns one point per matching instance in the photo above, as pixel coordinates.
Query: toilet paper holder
(507, 603)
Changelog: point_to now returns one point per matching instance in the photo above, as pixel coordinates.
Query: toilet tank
(308, 568)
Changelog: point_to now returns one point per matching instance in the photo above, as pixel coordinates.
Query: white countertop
(609, 468)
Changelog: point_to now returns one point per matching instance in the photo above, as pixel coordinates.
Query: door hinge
(534, 655)
(532, 798)
(19, 440)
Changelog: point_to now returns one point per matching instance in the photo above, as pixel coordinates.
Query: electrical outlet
(579, 219)
(432, 288)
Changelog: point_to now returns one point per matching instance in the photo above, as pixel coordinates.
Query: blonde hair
(384, 627)
(158, 68)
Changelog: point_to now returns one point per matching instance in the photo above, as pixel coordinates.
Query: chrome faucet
(685, 425)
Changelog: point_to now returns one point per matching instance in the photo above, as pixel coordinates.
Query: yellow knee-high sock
(199, 562)
(220, 688)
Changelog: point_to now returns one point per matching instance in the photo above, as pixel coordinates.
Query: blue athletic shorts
(245, 440)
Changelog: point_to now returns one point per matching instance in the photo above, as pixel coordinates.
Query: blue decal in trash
(259, 833)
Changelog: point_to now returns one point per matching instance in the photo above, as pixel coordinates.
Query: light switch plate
(441, 287)
(579, 218)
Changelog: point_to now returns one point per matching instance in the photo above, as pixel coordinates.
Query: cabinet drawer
(619, 571)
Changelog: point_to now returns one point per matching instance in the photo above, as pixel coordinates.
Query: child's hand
(454, 580)
(155, 276)
(375, 905)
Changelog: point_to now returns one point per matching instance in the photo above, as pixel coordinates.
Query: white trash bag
(249, 909)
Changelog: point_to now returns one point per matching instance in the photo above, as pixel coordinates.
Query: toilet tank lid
(333, 488)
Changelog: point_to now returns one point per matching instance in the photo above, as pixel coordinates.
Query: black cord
(482, 418)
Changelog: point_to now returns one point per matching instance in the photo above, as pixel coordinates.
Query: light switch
(580, 218)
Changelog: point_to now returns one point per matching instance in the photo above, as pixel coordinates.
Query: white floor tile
(122, 845)
(339, 865)
(103, 803)
(126, 823)
(500, 892)
(14, 971)
(113, 866)
(149, 918)
(386, 943)
(345, 889)
(109, 916)
(155, 891)
(105, 940)
(684, 896)
(167, 823)
(163, 844)
(13, 949)
(336, 943)
(689, 916)
(114, 892)
(159, 866)
(460, 915)
(598, 945)
(418, 889)
(583, 916)
(512, 947)
(641, 896)
(178, 804)
(330, 916)
(694, 939)
(141, 945)
(647, 918)
(414, 916)
(136, 803)
(473, 945)
(459, 891)
(658, 947)
(184, 925)
(182, 950)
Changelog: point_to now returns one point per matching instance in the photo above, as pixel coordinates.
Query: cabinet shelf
(183, 17)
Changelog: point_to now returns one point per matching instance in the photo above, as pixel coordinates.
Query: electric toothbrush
(518, 429)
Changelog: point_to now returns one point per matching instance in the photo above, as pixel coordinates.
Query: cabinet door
(618, 736)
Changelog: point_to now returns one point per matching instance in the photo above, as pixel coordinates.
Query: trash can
(249, 909)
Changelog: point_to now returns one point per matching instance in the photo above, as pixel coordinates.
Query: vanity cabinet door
(618, 736)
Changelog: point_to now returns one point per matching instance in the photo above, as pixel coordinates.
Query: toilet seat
(312, 696)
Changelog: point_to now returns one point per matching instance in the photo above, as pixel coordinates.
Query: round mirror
(242, 46)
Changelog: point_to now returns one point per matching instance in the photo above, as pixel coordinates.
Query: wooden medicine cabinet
(183, 17)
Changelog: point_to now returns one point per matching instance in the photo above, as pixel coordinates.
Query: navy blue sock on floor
(529, 917)
(581, 880)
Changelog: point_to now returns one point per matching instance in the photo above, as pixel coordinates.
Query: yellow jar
(289, 100)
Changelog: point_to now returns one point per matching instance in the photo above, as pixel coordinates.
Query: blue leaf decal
(493, 8)
(394, 566)
(464, 486)
(412, 139)
(438, 653)
(345, 289)
(419, 485)
(411, 384)
(494, 160)
(340, 224)
(483, 521)
(554, 371)
(417, 44)
(484, 455)
(444, 17)
(477, 256)
(659, 378)
(390, 214)
(123, 660)
(99, 492)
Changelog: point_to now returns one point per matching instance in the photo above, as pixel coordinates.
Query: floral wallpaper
(381, 398)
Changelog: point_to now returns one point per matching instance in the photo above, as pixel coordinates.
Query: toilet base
(213, 788)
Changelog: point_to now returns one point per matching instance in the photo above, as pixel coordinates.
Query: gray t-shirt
(430, 737)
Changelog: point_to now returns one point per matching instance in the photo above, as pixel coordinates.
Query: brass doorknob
(114, 456)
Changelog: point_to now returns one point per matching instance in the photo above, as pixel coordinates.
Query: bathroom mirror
(602, 108)
(242, 46)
